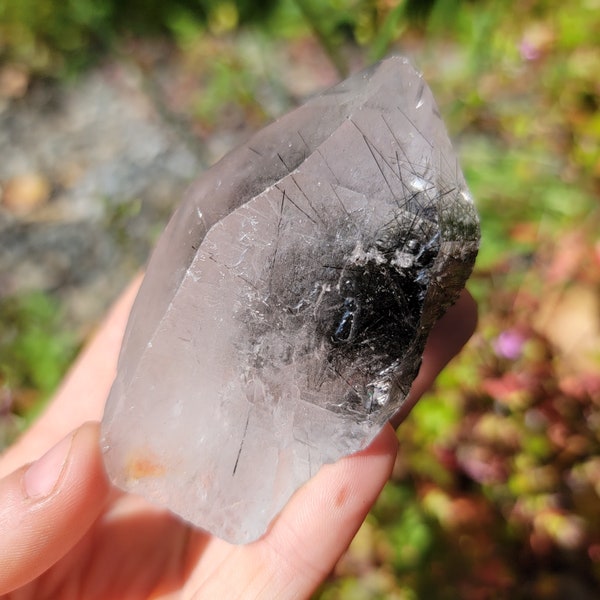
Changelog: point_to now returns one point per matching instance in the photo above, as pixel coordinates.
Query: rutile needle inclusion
(284, 312)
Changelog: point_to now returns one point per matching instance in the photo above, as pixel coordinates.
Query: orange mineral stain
(141, 466)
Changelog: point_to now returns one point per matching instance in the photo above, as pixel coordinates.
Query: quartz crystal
(286, 307)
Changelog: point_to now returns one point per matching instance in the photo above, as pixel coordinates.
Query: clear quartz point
(284, 312)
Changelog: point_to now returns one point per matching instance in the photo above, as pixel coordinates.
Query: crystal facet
(286, 307)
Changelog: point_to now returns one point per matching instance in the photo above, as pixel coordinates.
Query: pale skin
(66, 533)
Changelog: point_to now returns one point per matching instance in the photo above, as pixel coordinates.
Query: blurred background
(109, 109)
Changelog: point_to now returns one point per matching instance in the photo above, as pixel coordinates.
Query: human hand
(66, 533)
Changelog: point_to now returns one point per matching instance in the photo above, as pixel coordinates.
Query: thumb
(47, 506)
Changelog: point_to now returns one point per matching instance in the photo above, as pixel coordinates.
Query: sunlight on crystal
(286, 307)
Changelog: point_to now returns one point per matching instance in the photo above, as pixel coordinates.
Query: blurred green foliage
(496, 492)
(55, 37)
(35, 351)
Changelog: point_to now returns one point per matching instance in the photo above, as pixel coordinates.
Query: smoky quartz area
(285, 310)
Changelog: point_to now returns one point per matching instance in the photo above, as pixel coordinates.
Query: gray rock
(285, 310)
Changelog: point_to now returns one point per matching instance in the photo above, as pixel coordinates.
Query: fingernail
(41, 477)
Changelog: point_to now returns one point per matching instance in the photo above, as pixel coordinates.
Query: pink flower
(528, 50)
(509, 344)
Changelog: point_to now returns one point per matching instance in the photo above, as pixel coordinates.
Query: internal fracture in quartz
(285, 310)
